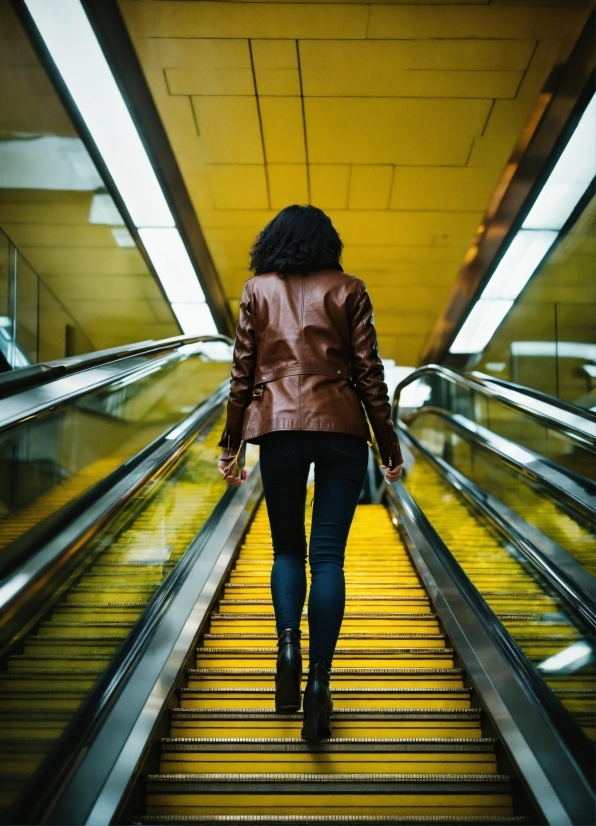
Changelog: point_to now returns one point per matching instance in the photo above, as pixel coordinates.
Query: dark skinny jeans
(340, 467)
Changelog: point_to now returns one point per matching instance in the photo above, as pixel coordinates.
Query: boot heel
(317, 704)
(316, 722)
(288, 672)
(316, 726)
(287, 692)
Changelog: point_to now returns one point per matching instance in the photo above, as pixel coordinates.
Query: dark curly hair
(299, 239)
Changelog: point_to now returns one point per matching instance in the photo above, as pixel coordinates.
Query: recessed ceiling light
(75, 50)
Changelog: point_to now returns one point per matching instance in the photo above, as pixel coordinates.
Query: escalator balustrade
(49, 460)
(54, 667)
(407, 738)
(536, 619)
(569, 530)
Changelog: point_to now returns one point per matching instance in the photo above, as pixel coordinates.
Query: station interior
(144, 145)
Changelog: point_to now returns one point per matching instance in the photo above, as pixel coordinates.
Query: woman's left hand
(394, 474)
(233, 480)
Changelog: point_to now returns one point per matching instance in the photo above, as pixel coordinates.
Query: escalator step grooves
(407, 744)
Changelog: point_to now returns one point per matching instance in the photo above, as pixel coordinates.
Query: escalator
(470, 482)
(406, 740)
(139, 646)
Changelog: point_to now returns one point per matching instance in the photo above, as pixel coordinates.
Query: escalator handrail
(569, 760)
(57, 766)
(28, 377)
(36, 401)
(567, 418)
(42, 549)
(580, 603)
(567, 486)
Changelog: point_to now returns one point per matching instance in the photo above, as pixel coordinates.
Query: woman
(305, 361)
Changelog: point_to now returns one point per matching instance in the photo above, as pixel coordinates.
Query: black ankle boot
(318, 704)
(289, 671)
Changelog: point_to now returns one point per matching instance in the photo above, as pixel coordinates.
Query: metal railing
(575, 422)
(554, 758)
(66, 380)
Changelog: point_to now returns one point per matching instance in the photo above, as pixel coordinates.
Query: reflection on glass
(519, 427)
(536, 618)
(47, 462)
(569, 530)
(548, 340)
(121, 568)
(95, 290)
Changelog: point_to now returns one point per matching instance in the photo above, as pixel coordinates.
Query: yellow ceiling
(397, 119)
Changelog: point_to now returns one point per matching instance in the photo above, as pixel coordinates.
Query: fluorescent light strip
(573, 173)
(480, 325)
(77, 54)
(72, 43)
(195, 319)
(172, 264)
(559, 196)
(517, 266)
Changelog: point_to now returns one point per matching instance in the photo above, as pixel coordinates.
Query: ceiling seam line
(308, 189)
(261, 130)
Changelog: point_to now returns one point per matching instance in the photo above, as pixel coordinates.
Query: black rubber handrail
(543, 698)
(27, 377)
(483, 379)
(579, 603)
(497, 390)
(573, 490)
(58, 765)
(26, 405)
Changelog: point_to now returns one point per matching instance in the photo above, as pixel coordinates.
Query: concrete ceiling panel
(456, 21)
(202, 53)
(329, 185)
(238, 185)
(229, 128)
(283, 129)
(177, 18)
(370, 187)
(411, 113)
(393, 130)
(288, 184)
(210, 81)
(276, 67)
(448, 188)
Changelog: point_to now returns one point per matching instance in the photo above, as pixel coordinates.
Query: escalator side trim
(579, 601)
(520, 705)
(108, 761)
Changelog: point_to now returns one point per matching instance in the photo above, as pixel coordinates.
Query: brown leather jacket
(306, 358)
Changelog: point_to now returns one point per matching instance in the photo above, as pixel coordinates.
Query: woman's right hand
(232, 479)
(394, 474)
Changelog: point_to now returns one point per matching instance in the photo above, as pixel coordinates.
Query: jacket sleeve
(243, 371)
(369, 377)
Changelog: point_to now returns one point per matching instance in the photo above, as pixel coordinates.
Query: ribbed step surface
(406, 745)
